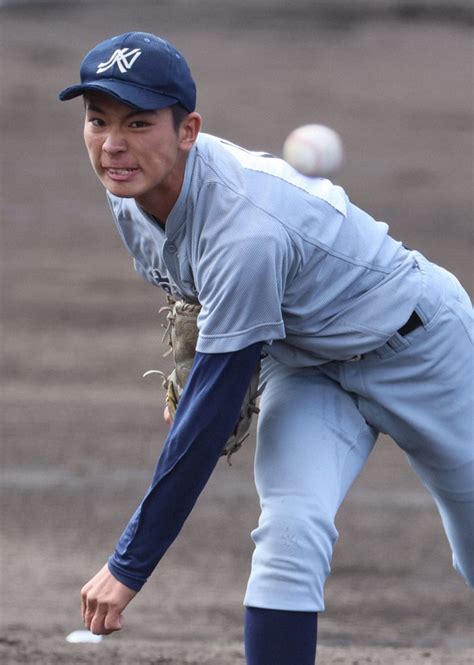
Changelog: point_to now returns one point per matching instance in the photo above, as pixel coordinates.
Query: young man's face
(134, 153)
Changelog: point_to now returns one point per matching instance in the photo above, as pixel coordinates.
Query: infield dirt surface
(81, 430)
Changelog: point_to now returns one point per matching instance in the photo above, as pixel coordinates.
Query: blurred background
(81, 431)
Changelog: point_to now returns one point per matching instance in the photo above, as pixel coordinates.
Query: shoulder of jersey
(273, 166)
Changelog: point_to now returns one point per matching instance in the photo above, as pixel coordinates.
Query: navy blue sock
(278, 637)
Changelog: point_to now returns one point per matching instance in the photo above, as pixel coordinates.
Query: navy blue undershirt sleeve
(206, 415)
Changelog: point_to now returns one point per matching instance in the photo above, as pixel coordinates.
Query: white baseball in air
(314, 150)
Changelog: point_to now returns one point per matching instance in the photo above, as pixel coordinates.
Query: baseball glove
(182, 334)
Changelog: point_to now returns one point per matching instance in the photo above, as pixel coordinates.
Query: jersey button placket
(171, 260)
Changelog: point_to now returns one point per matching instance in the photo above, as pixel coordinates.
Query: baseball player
(358, 335)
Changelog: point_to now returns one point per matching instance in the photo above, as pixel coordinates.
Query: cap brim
(132, 95)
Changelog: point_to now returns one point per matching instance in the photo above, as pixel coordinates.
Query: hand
(103, 600)
(166, 416)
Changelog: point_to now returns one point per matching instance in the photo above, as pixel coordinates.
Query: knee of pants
(453, 493)
(458, 521)
(466, 571)
(291, 562)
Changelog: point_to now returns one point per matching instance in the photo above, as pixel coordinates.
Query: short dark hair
(179, 113)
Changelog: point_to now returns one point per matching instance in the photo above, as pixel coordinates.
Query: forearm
(206, 415)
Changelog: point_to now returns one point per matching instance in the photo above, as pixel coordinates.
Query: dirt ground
(81, 430)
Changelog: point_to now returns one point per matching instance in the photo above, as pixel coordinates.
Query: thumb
(114, 621)
(167, 416)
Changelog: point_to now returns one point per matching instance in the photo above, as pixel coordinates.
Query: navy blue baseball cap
(139, 69)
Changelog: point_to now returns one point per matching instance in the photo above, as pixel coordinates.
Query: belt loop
(413, 323)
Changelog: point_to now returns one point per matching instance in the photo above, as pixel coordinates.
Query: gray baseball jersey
(272, 255)
(276, 257)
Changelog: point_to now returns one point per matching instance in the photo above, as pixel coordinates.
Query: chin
(120, 195)
(116, 191)
(123, 191)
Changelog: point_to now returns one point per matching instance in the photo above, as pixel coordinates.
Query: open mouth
(120, 174)
(122, 171)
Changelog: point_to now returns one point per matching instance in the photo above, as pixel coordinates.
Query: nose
(114, 143)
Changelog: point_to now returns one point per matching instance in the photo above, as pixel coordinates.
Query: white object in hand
(314, 150)
(83, 637)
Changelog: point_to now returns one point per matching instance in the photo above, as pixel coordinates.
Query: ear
(189, 130)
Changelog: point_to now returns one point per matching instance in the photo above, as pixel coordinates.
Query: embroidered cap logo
(122, 57)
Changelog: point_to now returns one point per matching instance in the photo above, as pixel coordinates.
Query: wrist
(131, 581)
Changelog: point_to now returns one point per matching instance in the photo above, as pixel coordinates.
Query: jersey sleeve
(241, 282)
(206, 415)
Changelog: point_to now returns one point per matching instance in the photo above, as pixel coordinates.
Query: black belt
(413, 323)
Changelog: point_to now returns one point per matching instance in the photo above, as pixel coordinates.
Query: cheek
(93, 149)
(161, 154)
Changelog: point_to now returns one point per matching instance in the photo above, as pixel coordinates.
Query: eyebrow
(96, 109)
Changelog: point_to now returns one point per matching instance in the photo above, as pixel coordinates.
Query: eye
(139, 124)
(96, 122)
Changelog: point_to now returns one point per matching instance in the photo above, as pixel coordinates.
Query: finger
(113, 621)
(90, 611)
(97, 623)
(84, 602)
(166, 415)
(106, 621)
(88, 618)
